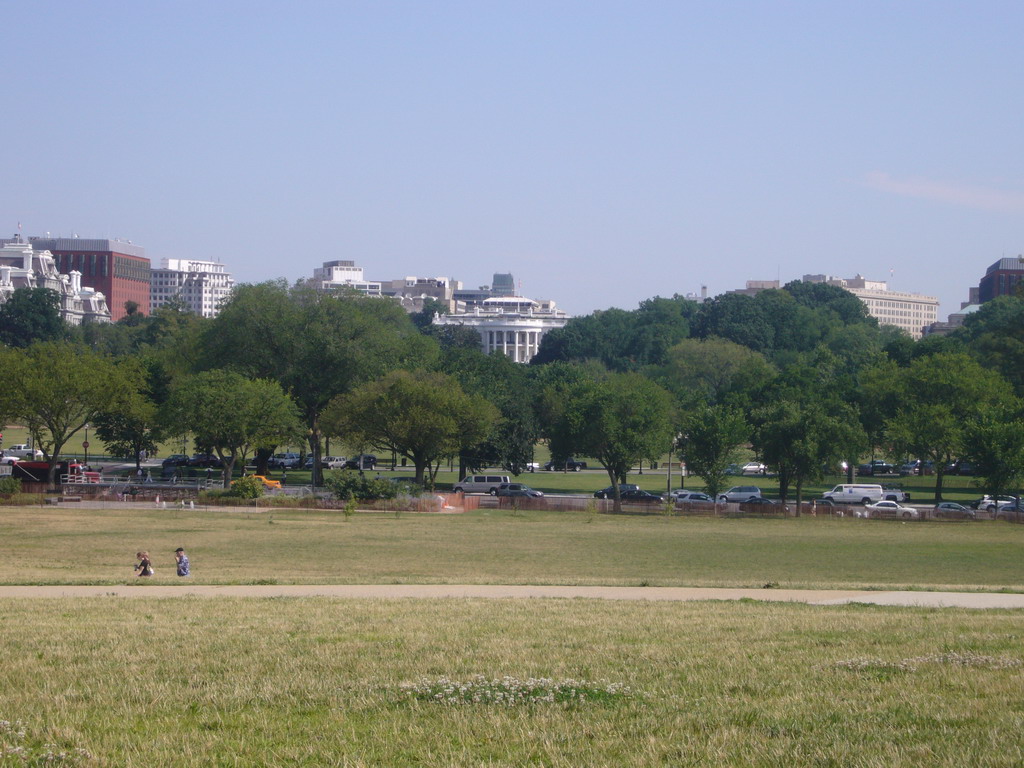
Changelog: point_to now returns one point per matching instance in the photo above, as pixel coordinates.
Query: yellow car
(267, 482)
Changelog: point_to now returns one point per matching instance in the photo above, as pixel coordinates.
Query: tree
(425, 317)
(31, 315)
(508, 386)
(621, 340)
(56, 388)
(421, 415)
(713, 371)
(618, 418)
(995, 443)
(994, 336)
(847, 308)
(316, 345)
(233, 414)
(710, 436)
(940, 395)
(133, 426)
(799, 438)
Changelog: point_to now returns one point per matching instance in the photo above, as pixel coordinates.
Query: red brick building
(1001, 279)
(119, 269)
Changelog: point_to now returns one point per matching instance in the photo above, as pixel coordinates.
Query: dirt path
(458, 591)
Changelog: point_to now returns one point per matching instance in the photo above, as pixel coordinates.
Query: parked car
(204, 460)
(689, 497)
(609, 492)
(362, 461)
(5, 459)
(911, 467)
(640, 497)
(960, 467)
(753, 468)
(761, 504)
(992, 503)
(517, 490)
(886, 509)
(876, 467)
(267, 482)
(175, 460)
(740, 493)
(1012, 511)
(481, 484)
(289, 460)
(853, 493)
(569, 465)
(24, 451)
(732, 469)
(950, 510)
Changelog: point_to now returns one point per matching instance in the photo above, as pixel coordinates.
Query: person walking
(182, 560)
(145, 566)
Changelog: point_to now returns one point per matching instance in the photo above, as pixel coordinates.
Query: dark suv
(362, 461)
(204, 460)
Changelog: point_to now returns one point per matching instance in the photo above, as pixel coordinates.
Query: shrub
(9, 485)
(348, 484)
(247, 487)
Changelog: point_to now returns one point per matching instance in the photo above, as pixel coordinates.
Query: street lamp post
(85, 445)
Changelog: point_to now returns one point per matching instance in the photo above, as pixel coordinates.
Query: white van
(854, 494)
(480, 484)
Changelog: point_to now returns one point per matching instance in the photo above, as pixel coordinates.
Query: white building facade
(912, 312)
(513, 325)
(21, 266)
(203, 286)
(342, 273)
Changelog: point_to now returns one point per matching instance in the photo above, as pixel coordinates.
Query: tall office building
(1001, 279)
(202, 285)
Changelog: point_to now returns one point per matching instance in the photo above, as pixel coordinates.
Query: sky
(602, 152)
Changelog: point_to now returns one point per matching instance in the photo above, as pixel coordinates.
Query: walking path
(391, 591)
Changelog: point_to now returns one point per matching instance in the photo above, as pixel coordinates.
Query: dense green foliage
(246, 487)
(348, 484)
(800, 375)
(421, 415)
(31, 315)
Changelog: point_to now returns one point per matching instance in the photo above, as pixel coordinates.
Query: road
(976, 600)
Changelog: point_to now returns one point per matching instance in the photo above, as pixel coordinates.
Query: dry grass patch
(314, 682)
(97, 546)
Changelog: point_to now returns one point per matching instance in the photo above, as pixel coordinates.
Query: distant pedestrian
(149, 477)
(182, 560)
(145, 566)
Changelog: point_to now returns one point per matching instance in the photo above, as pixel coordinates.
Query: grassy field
(319, 682)
(70, 545)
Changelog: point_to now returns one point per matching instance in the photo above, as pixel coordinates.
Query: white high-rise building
(202, 285)
(910, 311)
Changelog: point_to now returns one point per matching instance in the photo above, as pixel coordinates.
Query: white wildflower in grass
(18, 745)
(509, 691)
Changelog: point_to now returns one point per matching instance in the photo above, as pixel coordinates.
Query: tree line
(803, 375)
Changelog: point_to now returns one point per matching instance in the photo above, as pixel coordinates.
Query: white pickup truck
(23, 451)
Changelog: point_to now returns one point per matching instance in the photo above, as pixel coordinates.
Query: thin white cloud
(948, 192)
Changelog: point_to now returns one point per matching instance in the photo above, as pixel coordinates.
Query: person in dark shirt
(182, 560)
(145, 566)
